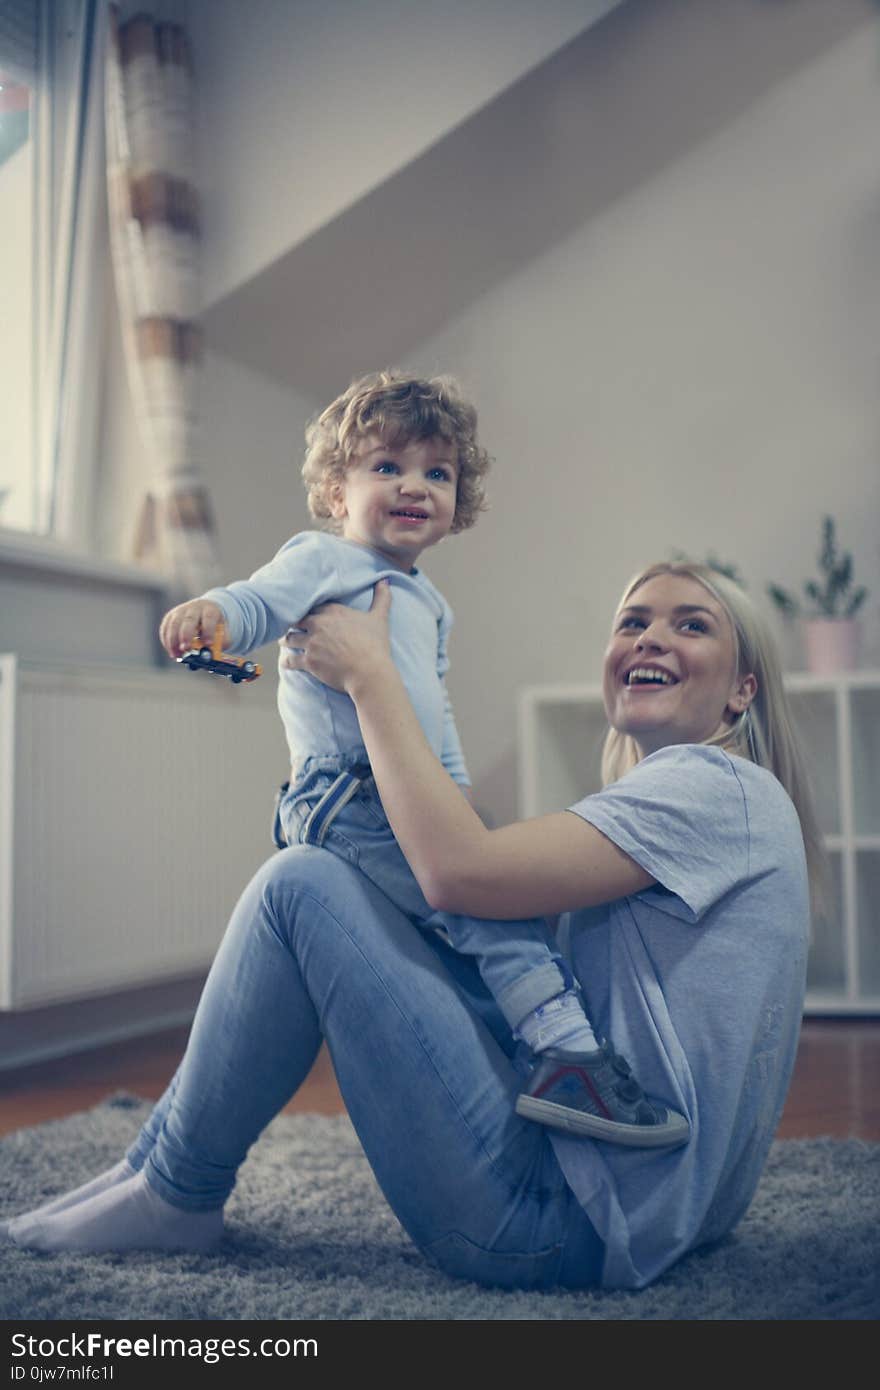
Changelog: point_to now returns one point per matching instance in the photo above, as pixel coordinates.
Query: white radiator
(134, 807)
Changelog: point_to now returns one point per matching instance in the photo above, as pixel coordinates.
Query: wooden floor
(834, 1091)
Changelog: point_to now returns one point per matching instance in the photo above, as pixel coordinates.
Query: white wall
(253, 445)
(695, 368)
(250, 448)
(306, 106)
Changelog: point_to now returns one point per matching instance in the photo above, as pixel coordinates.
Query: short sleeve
(681, 815)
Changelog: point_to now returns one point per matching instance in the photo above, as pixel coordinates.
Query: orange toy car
(216, 662)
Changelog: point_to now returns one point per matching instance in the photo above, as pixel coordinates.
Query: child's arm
(451, 752)
(257, 610)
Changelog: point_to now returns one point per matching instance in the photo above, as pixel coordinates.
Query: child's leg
(579, 1083)
(339, 810)
(525, 974)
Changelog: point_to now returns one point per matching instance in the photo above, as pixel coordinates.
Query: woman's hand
(341, 646)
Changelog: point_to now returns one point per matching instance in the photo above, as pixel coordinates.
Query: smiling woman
(757, 722)
(704, 823)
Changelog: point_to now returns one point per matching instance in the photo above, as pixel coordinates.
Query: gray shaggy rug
(311, 1237)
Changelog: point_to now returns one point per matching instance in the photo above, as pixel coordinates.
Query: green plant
(713, 563)
(832, 595)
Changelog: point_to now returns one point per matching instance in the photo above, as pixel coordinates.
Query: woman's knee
(303, 869)
(269, 901)
(305, 885)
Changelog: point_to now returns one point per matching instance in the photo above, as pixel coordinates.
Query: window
(19, 506)
(51, 278)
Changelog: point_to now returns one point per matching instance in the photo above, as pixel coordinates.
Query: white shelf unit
(561, 731)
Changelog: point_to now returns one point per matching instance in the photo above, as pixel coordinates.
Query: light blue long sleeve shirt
(315, 567)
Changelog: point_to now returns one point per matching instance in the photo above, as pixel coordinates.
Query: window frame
(69, 275)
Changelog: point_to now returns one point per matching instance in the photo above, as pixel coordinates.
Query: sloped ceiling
(595, 120)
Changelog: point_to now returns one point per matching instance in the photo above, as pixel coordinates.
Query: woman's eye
(629, 622)
(694, 625)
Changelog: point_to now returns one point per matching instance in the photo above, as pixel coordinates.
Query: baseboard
(61, 1030)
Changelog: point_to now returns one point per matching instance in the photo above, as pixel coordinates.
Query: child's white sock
(560, 1022)
(118, 1173)
(129, 1215)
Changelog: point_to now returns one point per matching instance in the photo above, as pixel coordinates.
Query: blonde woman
(683, 886)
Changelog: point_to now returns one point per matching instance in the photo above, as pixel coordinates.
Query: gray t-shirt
(699, 981)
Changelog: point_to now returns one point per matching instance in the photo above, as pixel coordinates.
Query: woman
(686, 884)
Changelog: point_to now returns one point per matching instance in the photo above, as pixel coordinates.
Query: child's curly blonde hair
(400, 408)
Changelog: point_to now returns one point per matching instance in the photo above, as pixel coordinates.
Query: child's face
(398, 500)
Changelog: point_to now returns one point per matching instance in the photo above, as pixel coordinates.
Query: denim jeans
(425, 1062)
(518, 961)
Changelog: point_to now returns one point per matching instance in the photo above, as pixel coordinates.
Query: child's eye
(386, 466)
(439, 475)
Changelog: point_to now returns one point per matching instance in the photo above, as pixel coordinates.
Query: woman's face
(670, 673)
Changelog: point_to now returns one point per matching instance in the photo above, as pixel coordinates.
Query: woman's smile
(648, 677)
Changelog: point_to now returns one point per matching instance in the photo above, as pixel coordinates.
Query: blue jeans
(425, 1062)
(518, 961)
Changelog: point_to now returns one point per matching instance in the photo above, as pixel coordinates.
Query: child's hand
(189, 625)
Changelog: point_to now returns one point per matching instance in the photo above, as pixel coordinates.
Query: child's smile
(398, 500)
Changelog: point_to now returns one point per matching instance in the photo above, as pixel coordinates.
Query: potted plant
(712, 562)
(831, 629)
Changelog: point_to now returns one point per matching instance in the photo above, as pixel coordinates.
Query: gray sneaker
(595, 1094)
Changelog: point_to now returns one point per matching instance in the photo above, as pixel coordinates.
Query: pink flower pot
(832, 644)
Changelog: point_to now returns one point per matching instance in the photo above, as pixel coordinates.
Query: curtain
(154, 232)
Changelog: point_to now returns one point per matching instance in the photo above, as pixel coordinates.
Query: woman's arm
(533, 868)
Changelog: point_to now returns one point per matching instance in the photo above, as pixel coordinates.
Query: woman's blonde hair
(400, 408)
(764, 732)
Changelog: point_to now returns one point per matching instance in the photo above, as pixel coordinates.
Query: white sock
(128, 1215)
(118, 1173)
(560, 1022)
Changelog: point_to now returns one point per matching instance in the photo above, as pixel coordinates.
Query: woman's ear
(743, 695)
